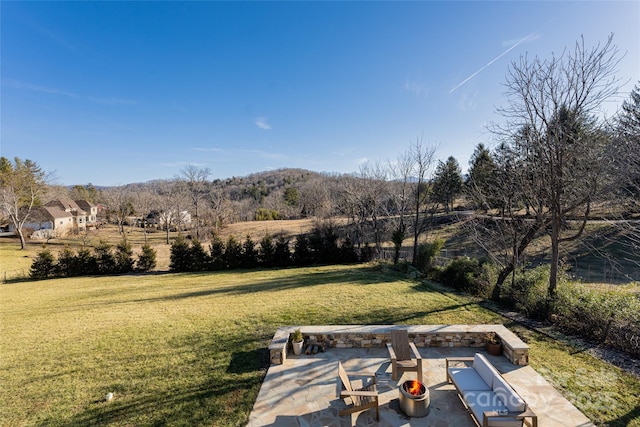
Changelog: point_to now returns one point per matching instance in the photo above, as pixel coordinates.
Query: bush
(43, 265)
(427, 253)
(146, 259)
(264, 214)
(527, 292)
(604, 316)
(461, 273)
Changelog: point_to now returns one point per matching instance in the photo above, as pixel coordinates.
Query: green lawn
(190, 349)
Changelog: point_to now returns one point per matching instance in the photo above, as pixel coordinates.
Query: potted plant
(297, 342)
(494, 344)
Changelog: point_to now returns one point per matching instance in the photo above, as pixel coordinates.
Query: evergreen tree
(626, 148)
(43, 265)
(199, 257)
(301, 253)
(86, 263)
(266, 252)
(66, 263)
(282, 252)
(481, 178)
(180, 255)
(146, 259)
(216, 251)
(347, 252)
(106, 263)
(233, 253)
(124, 257)
(447, 183)
(249, 253)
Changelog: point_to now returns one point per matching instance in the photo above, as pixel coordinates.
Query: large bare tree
(197, 184)
(22, 185)
(422, 157)
(549, 121)
(119, 201)
(400, 176)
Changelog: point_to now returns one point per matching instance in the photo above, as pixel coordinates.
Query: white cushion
(467, 379)
(508, 395)
(481, 401)
(484, 369)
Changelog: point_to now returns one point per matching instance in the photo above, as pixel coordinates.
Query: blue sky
(119, 92)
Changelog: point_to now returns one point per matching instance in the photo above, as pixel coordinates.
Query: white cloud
(52, 91)
(262, 123)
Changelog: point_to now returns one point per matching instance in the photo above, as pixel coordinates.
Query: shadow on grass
(198, 405)
(285, 281)
(626, 419)
(243, 362)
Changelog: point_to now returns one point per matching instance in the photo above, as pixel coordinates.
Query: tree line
(321, 247)
(102, 260)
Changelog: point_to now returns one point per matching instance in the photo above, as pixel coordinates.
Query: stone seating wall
(363, 336)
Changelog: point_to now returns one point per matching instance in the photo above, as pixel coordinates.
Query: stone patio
(303, 391)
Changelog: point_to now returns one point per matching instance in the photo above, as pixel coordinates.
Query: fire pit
(414, 398)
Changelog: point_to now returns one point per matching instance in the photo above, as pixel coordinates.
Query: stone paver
(303, 392)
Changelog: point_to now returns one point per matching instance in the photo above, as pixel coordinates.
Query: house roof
(67, 204)
(48, 213)
(85, 205)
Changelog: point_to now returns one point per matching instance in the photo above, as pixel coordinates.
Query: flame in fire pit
(413, 387)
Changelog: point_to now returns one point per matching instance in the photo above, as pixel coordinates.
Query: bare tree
(22, 185)
(119, 201)
(315, 197)
(144, 201)
(400, 175)
(221, 209)
(553, 100)
(423, 157)
(196, 181)
(362, 200)
(171, 201)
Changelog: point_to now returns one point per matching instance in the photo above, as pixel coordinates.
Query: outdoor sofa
(491, 401)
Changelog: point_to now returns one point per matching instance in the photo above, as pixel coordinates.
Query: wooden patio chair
(400, 353)
(363, 398)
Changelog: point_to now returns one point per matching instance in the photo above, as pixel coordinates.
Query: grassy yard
(190, 349)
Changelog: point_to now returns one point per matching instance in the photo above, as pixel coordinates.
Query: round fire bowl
(416, 404)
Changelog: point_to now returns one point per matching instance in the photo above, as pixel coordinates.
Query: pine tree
(146, 259)
(43, 265)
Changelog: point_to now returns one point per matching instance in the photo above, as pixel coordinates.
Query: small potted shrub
(494, 344)
(297, 342)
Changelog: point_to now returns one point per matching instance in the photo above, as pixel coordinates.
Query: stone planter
(494, 349)
(297, 347)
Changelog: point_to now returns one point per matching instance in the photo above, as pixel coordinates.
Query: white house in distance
(63, 216)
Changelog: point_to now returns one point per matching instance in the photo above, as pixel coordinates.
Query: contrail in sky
(491, 62)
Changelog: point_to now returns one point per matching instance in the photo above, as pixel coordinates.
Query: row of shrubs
(320, 248)
(606, 316)
(102, 260)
